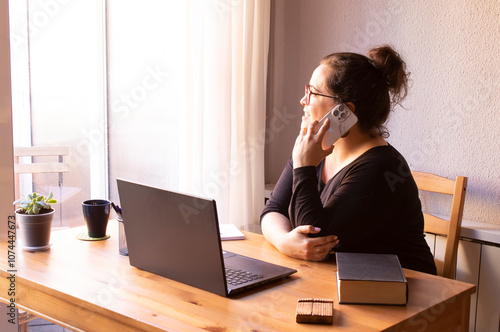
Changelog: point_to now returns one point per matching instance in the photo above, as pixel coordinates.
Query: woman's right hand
(298, 244)
(308, 149)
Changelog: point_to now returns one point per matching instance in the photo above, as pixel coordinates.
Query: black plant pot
(35, 230)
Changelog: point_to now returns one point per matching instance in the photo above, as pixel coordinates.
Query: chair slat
(434, 183)
(41, 151)
(41, 168)
(435, 225)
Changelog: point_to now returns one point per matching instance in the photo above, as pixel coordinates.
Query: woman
(357, 195)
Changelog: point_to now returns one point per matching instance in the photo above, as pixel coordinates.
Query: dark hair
(374, 84)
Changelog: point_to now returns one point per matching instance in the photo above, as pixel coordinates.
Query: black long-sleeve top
(372, 205)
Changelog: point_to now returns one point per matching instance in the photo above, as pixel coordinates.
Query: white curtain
(222, 105)
(188, 79)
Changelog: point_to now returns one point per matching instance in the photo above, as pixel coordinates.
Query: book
(364, 278)
(230, 232)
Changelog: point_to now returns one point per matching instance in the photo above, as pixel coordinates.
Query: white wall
(450, 124)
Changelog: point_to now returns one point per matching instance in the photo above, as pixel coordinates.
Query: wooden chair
(449, 228)
(33, 167)
(36, 151)
(24, 319)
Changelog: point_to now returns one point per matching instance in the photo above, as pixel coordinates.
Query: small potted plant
(34, 217)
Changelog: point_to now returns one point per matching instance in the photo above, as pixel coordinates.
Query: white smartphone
(341, 120)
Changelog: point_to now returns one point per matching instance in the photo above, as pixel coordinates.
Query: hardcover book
(364, 278)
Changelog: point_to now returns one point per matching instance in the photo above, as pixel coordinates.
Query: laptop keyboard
(238, 277)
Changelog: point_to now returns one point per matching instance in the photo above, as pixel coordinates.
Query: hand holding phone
(341, 120)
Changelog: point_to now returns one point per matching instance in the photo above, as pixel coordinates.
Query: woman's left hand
(308, 150)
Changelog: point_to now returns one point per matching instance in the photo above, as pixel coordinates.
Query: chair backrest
(44, 167)
(449, 228)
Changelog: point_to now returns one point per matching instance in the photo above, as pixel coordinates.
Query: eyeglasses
(309, 93)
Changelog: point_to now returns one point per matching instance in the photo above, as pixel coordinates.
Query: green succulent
(35, 203)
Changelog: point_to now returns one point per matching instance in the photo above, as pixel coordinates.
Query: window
(171, 94)
(59, 97)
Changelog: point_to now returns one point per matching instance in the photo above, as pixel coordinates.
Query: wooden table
(89, 286)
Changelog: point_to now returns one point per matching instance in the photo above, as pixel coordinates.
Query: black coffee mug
(96, 214)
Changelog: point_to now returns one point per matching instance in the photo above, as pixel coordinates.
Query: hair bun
(393, 70)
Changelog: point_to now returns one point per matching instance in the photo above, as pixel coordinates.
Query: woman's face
(318, 105)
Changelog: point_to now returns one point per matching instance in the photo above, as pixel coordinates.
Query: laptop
(177, 236)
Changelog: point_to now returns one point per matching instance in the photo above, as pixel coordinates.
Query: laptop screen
(173, 235)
